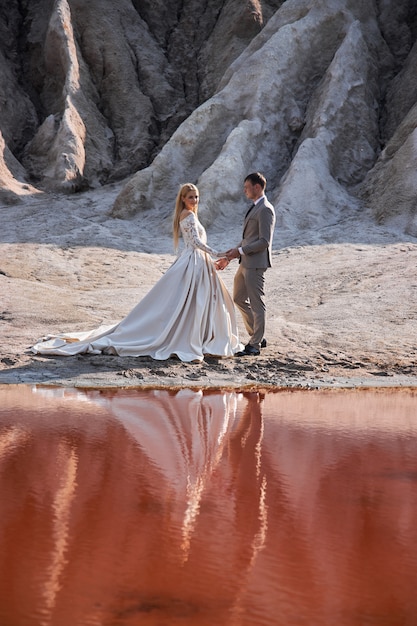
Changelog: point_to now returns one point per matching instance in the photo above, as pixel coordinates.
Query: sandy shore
(341, 301)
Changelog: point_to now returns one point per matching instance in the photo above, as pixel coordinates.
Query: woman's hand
(220, 264)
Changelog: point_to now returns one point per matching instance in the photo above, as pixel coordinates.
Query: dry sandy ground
(342, 300)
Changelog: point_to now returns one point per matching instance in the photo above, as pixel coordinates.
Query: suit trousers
(249, 297)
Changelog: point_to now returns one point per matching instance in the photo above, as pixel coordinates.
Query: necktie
(249, 210)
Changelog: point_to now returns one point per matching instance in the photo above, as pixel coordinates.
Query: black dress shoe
(263, 343)
(248, 351)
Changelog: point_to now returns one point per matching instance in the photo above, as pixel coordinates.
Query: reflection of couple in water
(189, 312)
(201, 447)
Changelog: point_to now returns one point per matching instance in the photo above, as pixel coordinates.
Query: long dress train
(188, 313)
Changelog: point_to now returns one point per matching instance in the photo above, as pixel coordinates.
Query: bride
(188, 313)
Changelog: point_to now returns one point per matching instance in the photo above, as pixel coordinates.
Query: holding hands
(232, 253)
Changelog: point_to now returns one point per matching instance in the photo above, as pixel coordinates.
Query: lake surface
(137, 508)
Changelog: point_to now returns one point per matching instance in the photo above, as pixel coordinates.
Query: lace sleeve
(190, 232)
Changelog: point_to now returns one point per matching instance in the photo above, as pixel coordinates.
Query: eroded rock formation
(321, 96)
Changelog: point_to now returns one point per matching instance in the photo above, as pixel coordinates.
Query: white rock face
(320, 96)
(390, 187)
(302, 103)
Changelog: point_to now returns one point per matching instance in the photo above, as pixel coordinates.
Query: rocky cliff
(320, 95)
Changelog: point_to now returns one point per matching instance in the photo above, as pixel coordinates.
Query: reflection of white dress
(188, 313)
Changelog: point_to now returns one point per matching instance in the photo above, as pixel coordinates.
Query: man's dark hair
(256, 178)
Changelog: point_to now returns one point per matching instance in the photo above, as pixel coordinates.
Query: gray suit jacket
(258, 230)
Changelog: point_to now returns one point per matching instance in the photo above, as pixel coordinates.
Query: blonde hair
(179, 207)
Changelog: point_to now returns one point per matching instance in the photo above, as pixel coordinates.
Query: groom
(254, 254)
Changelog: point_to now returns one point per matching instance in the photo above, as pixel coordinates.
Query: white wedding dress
(188, 313)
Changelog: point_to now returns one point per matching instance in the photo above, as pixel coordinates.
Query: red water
(137, 508)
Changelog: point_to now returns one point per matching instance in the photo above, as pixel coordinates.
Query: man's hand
(220, 264)
(233, 253)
